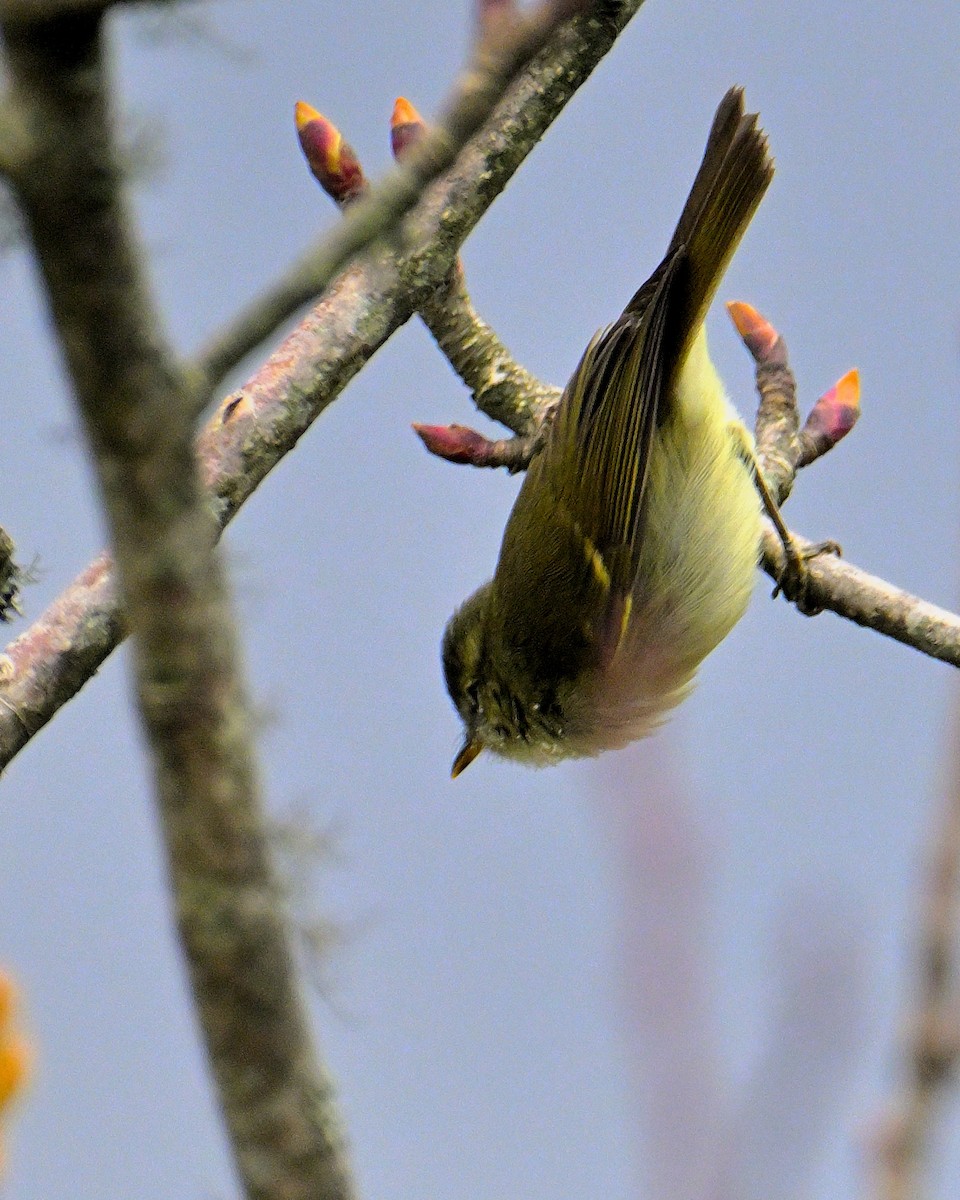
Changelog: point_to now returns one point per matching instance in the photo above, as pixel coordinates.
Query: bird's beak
(466, 754)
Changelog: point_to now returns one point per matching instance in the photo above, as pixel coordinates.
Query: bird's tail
(734, 174)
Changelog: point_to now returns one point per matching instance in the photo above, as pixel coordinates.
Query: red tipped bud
(759, 336)
(407, 127)
(832, 417)
(331, 160)
(456, 443)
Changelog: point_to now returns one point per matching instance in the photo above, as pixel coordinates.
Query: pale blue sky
(479, 1009)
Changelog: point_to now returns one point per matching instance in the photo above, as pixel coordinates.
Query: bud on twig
(759, 336)
(456, 443)
(831, 418)
(332, 161)
(407, 127)
(783, 447)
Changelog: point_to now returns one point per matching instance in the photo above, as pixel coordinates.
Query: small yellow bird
(631, 549)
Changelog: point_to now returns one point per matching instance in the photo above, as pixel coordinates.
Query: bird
(632, 546)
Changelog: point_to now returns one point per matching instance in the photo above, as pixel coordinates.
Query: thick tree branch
(52, 659)
(276, 1098)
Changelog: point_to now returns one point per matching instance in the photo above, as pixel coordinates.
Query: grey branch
(501, 388)
(276, 1097)
(842, 588)
(52, 659)
(782, 448)
(499, 385)
(479, 98)
(497, 61)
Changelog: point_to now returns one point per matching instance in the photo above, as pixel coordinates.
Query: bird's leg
(794, 577)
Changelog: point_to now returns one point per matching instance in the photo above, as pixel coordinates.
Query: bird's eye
(472, 692)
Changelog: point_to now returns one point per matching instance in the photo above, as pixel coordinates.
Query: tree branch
(502, 51)
(839, 586)
(482, 97)
(276, 1098)
(248, 436)
(782, 448)
(500, 387)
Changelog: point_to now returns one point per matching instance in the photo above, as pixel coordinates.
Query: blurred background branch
(705, 1136)
(929, 1033)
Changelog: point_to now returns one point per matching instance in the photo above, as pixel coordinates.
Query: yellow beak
(465, 756)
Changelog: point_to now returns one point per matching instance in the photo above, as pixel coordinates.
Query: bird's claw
(794, 579)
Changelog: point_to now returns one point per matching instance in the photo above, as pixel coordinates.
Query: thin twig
(460, 444)
(499, 385)
(498, 59)
(783, 447)
(275, 1095)
(501, 388)
(835, 584)
(248, 437)
(377, 216)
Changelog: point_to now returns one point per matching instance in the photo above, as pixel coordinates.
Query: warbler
(631, 549)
